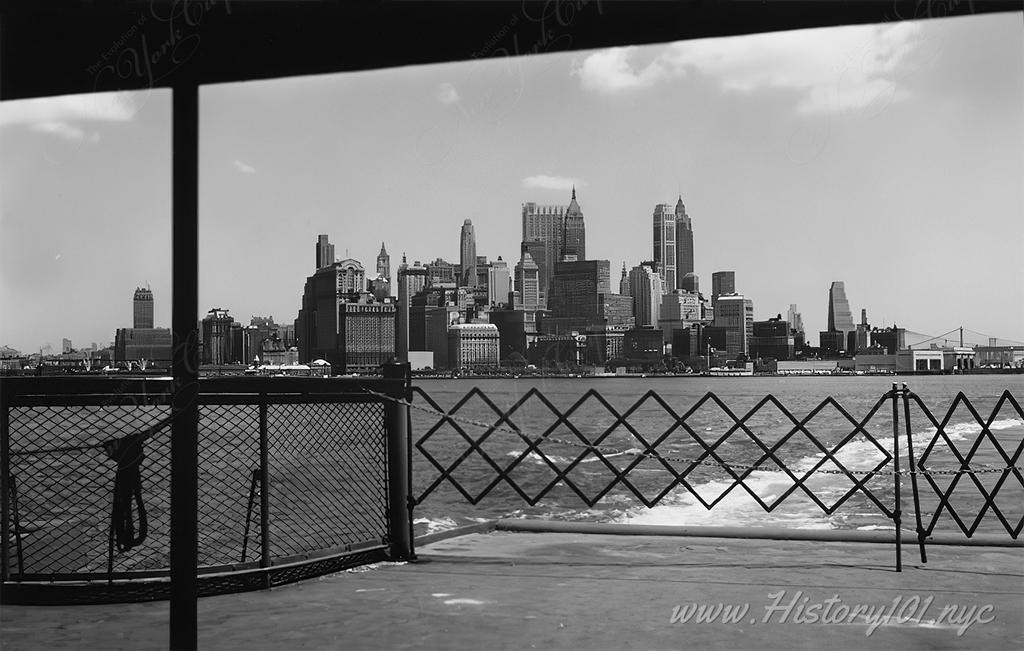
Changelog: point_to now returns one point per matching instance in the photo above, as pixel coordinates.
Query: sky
(890, 157)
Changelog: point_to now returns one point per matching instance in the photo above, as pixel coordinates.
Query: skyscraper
(647, 291)
(722, 282)
(795, 319)
(538, 255)
(143, 308)
(665, 257)
(340, 322)
(543, 232)
(497, 282)
(574, 236)
(735, 314)
(366, 335)
(216, 342)
(324, 252)
(527, 282)
(581, 298)
(684, 245)
(863, 337)
(410, 281)
(467, 254)
(384, 263)
(483, 275)
(351, 276)
(839, 317)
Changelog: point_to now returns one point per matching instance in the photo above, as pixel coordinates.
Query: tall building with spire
(574, 233)
(624, 288)
(384, 263)
(142, 308)
(467, 254)
(324, 252)
(684, 244)
(665, 243)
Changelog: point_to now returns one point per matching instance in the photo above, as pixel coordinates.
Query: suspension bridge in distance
(958, 336)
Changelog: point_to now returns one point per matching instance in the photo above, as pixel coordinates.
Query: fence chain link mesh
(327, 469)
(327, 477)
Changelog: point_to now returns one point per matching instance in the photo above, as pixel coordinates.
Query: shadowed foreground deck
(597, 591)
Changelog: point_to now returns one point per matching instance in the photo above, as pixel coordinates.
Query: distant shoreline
(670, 376)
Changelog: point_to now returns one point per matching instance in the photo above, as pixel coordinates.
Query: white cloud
(107, 107)
(544, 182)
(242, 167)
(447, 94)
(833, 69)
(609, 71)
(65, 130)
(61, 116)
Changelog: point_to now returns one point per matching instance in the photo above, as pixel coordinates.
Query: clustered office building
(340, 320)
(552, 306)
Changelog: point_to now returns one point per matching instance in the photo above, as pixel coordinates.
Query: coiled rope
(128, 453)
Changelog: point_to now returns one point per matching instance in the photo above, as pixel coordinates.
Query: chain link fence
(284, 478)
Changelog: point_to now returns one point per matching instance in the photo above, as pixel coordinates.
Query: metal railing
(962, 470)
(303, 476)
(293, 482)
(478, 449)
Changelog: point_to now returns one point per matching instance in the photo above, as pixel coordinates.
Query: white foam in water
(564, 461)
(434, 526)
(738, 508)
(961, 431)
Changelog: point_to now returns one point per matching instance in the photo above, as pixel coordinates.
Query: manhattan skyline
(887, 157)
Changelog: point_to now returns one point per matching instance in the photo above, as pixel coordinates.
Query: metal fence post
(411, 503)
(395, 424)
(264, 489)
(913, 475)
(896, 514)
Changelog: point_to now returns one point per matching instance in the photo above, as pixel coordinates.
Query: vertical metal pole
(896, 514)
(411, 501)
(395, 421)
(185, 366)
(264, 488)
(913, 477)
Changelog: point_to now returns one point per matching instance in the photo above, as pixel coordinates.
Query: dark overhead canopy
(82, 46)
